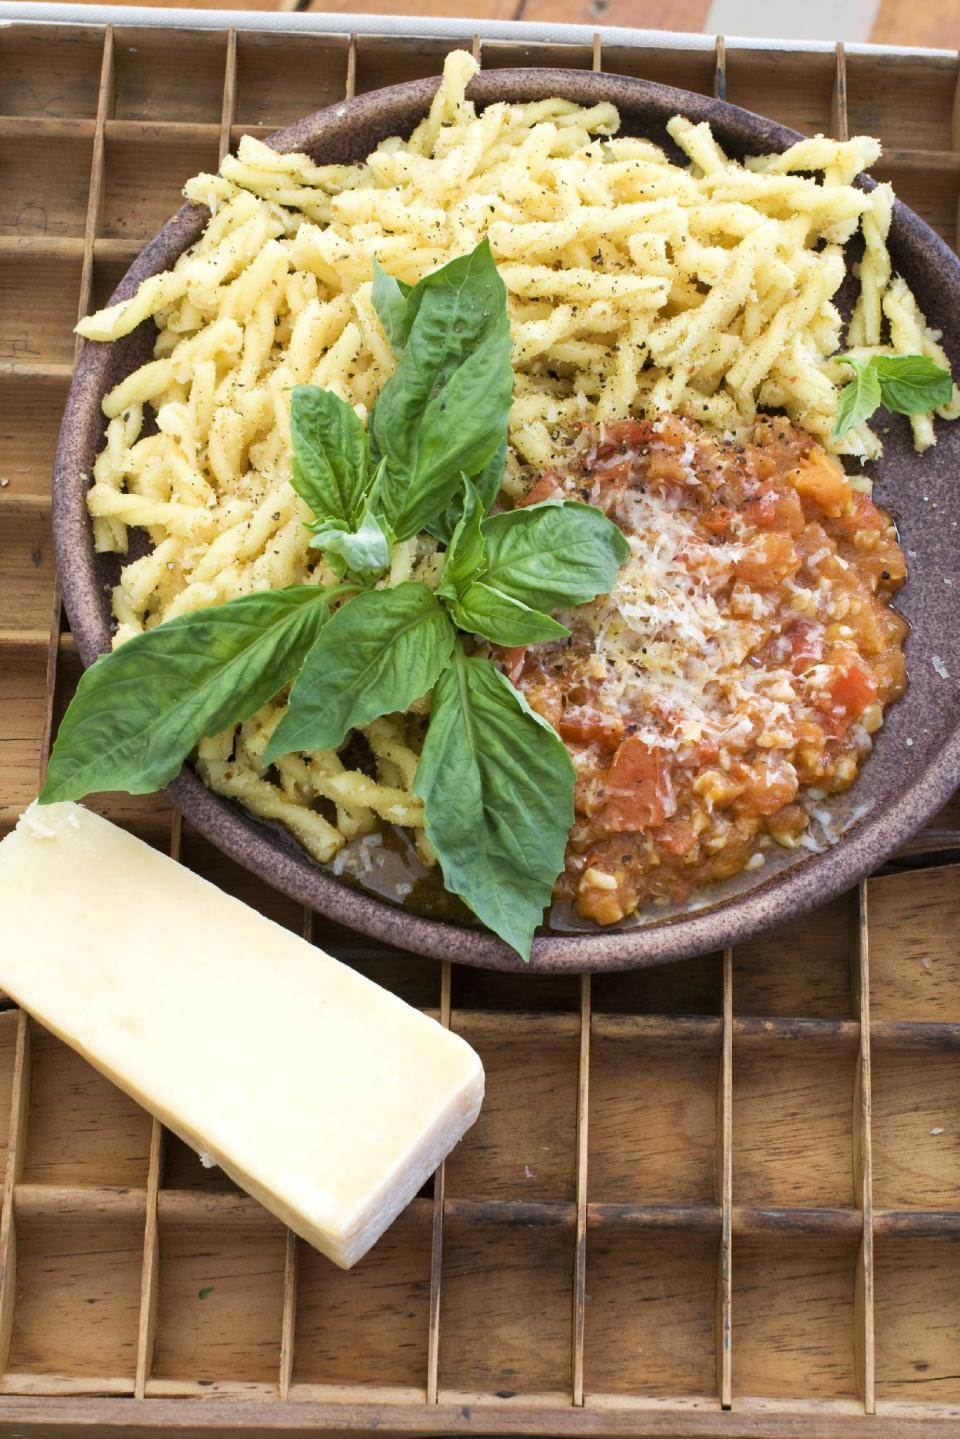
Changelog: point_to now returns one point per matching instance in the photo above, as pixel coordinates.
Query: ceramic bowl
(916, 761)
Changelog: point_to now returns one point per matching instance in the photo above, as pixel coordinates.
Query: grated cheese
(667, 642)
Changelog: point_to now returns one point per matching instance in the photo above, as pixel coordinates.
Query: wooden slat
(864, 1349)
(16, 1150)
(583, 1153)
(228, 109)
(436, 1238)
(724, 1331)
(905, 1036)
(291, 1256)
(150, 1268)
(350, 84)
(36, 369)
(720, 68)
(288, 1333)
(215, 1211)
(839, 127)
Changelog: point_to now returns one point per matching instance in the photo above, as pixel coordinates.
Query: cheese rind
(327, 1098)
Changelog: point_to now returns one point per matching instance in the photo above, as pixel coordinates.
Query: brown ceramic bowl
(916, 762)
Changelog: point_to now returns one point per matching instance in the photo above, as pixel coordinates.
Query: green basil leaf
(912, 384)
(467, 551)
(364, 552)
(858, 399)
(379, 653)
(139, 711)
(444, 410)
(487, 485)
(497, 785)
(330, 453)
(390, 302)
(504, 621)
(551, 555)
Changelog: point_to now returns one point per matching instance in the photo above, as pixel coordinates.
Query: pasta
(635, 285)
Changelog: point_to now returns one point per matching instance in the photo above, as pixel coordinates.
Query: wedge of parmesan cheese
(325, 1097)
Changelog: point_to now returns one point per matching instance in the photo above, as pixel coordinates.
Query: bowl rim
(799, 888)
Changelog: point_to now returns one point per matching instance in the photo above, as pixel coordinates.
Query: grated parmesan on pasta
(636, 286)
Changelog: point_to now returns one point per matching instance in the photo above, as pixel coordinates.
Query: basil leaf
(330, 453)
(467, 551)
(444, 410)
(379, 653)
(364, 552)
(390, 302)
(497, 787)
(906, 384)
(912, 384)
(496, 617)
(487, 485)
(553, 554)
(858, 399)
(139, 711)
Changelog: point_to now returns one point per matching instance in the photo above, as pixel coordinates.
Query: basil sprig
(904, 384)
(495, 779)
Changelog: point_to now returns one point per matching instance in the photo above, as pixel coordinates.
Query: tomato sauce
(737, 672)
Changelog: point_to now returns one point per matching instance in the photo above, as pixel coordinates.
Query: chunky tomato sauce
(735, 675)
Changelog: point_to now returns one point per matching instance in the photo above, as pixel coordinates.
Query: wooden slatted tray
(723, 1197)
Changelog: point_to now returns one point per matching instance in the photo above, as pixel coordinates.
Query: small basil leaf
(912, 384)
(364, 552)
(330, 453)
(444, 410)
(497, 787)
(379, 653)
(139, 711)
(504, 621)
(551, 555)
(858, 399)
(467, 550)
(488, 488)
(390, 302)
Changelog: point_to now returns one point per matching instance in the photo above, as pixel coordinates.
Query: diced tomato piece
(767, 560)
(585, 724)
(717, 521)
(768, 784)
(632, 434)
(543, 693)
(664, 468)
(820, 479)
(762, 510)
(806, 646)
(848, 694)
(513, 659)
(676, 837)
(637, 788)
(775, 511)
(854, 688)
(672, 430)
(549, 486)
